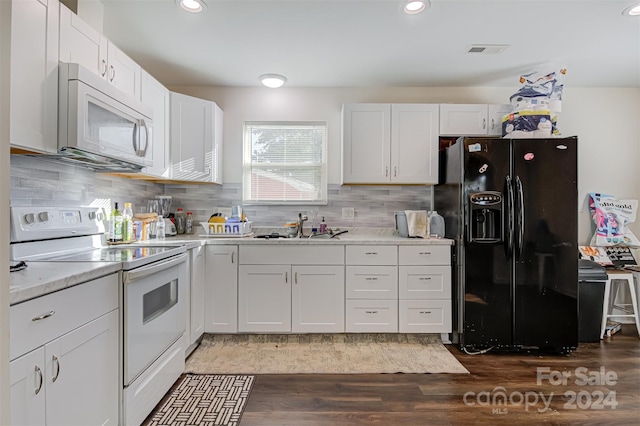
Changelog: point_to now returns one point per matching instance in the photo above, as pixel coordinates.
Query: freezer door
(485, 296)
(545, 251)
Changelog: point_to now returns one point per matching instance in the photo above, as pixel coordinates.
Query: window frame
(248, 165)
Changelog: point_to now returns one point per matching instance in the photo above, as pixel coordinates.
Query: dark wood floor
(603, 388)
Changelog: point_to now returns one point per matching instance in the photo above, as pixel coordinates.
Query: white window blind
(285, 162)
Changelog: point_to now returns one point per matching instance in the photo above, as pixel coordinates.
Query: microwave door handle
(143, 125)
(135, 137)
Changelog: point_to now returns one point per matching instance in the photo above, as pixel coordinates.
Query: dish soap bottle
(115, 225)
(323, 226)
(436, 225)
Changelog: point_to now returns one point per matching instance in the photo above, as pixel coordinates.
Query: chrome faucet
(301, 219)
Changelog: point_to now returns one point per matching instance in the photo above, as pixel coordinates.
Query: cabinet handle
(395, 171)
(493, 123)
(286, 277)
(373, 253)
(371, 312)
(425, 312)
(484, 123)
(371, 278)
(104, 68)
(232, 256)
(425, 278)
(54, 359)
(113, 73)
(39, 373)
(43, 316)
(386, 171)
(296, 278)
(424, 253)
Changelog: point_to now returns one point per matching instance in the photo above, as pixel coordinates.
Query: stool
(608, 302)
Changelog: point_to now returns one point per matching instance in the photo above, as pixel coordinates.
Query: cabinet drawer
(424, 316)
(294, 254)
(372, 255)
(372, 316)
(425, 255)
(424, 282)
(68, 309)
(372, 282)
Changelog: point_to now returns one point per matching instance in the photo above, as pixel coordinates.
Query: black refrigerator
(511, 207)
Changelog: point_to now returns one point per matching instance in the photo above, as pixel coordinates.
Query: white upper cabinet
(156, 96)
(80, 43)
(472, 119)
(196, 139)
(389, 143)
(34, 75)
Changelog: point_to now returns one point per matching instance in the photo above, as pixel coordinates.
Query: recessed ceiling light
(193, 6)
(273, 80)
(413, 7)
(633, 10)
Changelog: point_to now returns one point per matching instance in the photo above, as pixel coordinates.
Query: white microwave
(100, 126)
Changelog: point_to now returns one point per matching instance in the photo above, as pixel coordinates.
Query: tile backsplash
(40, 182)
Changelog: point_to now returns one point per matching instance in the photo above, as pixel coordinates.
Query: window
(285, 163)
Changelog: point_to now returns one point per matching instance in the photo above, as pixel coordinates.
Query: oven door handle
(154, 268)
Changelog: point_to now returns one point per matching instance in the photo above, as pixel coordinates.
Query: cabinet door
(156, 96)
(81, 44)
(34, 75)
(82, 374)
(463, 119)
(496, 112)
(221, 289)
(216, 146)
(317, 297)
(27, 389)
(197, 292)
(123, 72)
(191, 138)
(264, 298)
(366, 143)
(414, 143)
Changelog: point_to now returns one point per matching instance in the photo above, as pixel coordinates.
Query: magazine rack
(630, 310)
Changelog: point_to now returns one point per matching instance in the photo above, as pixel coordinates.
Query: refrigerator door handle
(520, 240)
(508, 246)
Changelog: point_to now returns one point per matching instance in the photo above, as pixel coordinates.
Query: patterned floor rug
(203, 400)
(322, 354)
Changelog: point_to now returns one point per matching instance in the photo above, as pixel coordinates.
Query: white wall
(606, 120)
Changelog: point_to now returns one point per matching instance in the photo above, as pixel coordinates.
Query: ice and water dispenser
(485, 217)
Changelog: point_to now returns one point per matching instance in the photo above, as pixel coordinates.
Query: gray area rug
(322, 354)
(203, 400)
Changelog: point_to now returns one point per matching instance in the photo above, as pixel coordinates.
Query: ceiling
(372, 43)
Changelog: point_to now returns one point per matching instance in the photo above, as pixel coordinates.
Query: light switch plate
(348, 213)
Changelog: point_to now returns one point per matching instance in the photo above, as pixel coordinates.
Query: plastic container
(401, 224)
(160, 229)
(436, 225)
(188, 224)
(181, 219)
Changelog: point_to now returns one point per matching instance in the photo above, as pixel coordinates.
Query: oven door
(154, 313)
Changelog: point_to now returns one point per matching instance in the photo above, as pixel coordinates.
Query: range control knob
(43, 216)
(29, 218)
(92, 215)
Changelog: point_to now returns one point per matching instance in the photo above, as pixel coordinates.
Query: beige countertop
(41, 278)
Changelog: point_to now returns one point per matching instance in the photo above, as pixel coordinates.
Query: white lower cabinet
(221, 289)
(196, 302)
(305, 297)
(372, 289)
(424, 289)
(70, 374)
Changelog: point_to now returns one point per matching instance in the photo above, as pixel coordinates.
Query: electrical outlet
(348, 213)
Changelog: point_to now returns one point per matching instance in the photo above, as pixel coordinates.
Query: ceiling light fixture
(193, 6)
(633, 10)
(413, 7)
(273, 80)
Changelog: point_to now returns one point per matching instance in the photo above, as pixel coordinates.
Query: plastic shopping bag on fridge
(612, 217)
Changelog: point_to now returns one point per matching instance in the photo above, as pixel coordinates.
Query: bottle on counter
(436, 225)
(180, 222)
(127, 223)
(115, 225)
(323, 226)
(188, 224)
(160, 228)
